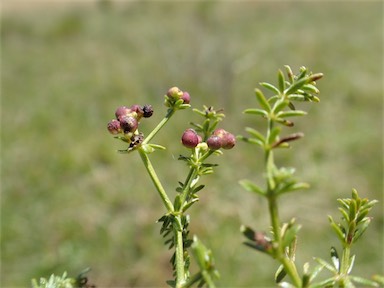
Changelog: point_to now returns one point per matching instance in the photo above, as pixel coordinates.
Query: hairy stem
(180, 272)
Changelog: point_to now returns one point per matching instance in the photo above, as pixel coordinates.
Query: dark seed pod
(147, 111)
(229, 141)
(128, 124)
(138, 110)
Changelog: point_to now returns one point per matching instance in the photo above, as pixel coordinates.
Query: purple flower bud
(174, 93)
(128, 123)
(147, 111)
(190, 139)
(114, 127)
(121, 111)
(214, 142)
(186, 97)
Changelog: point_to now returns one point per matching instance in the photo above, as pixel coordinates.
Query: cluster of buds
(220, 138)
(127, 121)
(174, 94)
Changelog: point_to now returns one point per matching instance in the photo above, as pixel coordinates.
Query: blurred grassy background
(69, 201)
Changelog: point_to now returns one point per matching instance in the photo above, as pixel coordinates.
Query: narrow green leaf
(337, 229)
(351, 263)
(297, 85)
(363, 281)
(255, 133)
(256, 111)
(189, 204)
(251, 140)
(280, 274)
(344, 213)
(250, 186)
(280, 105)
(311, 88)
(352, 210)
(326, 264)
(262, 100)
(316, 272)
(281, 80)
(198, 188)
(330, 282)
(297, 97)
(284, 114)
(289, 73)
(177, 203)
(274, 134)
(270, 87)
(156, 146)
(361, 229)
(290, 235)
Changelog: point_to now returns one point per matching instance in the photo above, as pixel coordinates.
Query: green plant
(202, 142)
(281, 243)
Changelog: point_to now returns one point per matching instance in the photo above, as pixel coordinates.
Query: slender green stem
(345, 260)
(169, 114)
(193, 279)
(187, 185)
(279, 252)
(151, 171)
(180, 272)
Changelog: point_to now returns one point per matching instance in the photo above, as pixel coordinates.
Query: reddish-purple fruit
(190, 139)
(229, 141)
(121, 111)
(214, 142)
(147, 111)
(186, 98)
(128, 124)
(114, 127)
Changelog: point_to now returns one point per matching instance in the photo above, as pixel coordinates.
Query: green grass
(69, 201)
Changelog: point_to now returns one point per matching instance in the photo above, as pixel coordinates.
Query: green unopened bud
(175, 93)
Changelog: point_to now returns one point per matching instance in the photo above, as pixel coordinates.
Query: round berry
(190, 139)
(186, 98)
(229, 141)
(214, 142)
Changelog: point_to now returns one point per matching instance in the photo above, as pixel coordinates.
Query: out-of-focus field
(69, 201)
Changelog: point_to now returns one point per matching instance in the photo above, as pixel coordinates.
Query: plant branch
(151, 171)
